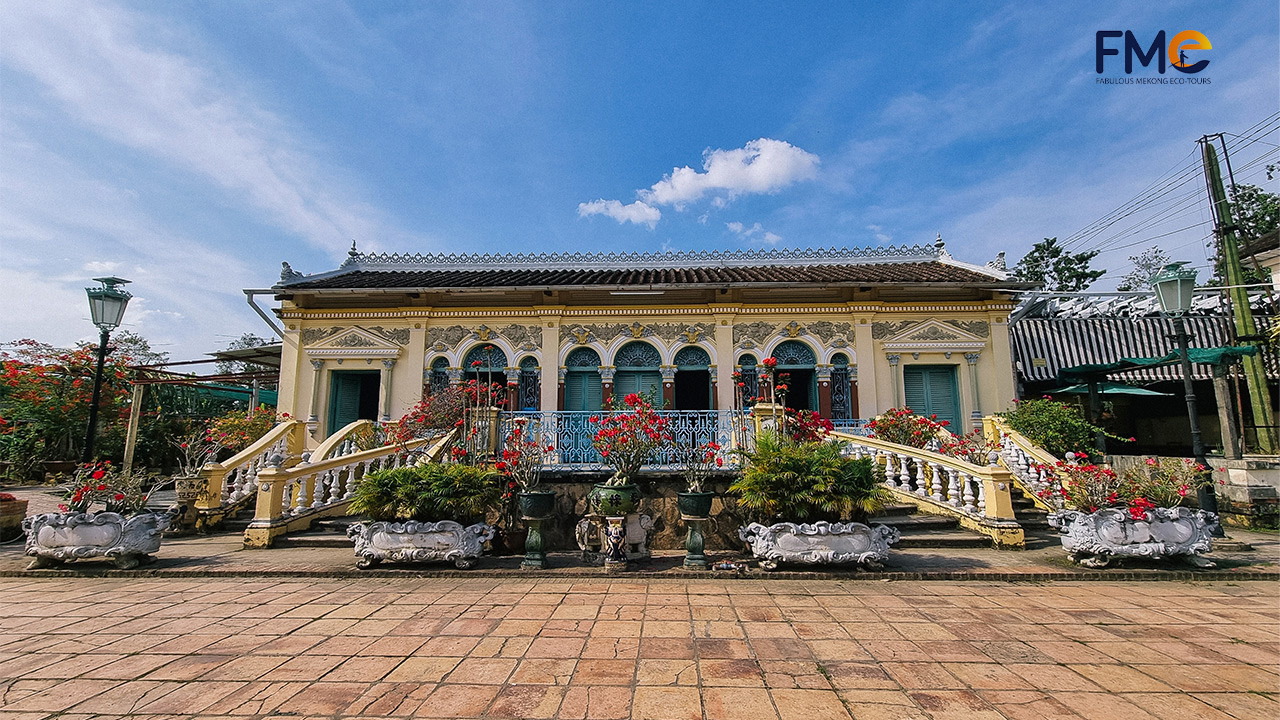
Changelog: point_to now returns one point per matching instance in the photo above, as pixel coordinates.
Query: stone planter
(1096, 539)
(414, 541)
(12, 513)
(55, 538)
(614, 500)
(820, 543)
(535, 506)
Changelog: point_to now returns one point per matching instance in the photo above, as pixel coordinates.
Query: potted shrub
(697, 463)
(521, 464)
(626, 439)
(424, 512)
(12, 512)
(123, 531)
(786, 482)
(1105, 516)
(904, 427)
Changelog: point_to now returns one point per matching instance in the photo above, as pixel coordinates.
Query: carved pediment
(932, 335)
(355, 342)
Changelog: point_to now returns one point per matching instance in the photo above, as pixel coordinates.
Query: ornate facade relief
(827, 330)
(450, 335)
(756, 333)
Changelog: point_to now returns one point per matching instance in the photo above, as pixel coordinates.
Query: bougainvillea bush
(628, 435)
(904, 427)
(236, 430)
(1088, 487)
(104, 486)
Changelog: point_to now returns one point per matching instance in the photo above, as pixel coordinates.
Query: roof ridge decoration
(648, 260)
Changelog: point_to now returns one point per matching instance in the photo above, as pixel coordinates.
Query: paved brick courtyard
(666, 650)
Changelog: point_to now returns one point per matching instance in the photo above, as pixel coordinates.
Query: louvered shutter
(941, 387)
(913, 389)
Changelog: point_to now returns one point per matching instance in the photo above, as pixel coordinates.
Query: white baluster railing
(1031, 465)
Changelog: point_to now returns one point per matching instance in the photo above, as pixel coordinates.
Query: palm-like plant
(427, 492)
(786, 480)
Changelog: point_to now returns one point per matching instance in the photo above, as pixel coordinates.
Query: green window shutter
(913, 390)
(346, 401)
(941, 385)
(625, 383)
(582, 391)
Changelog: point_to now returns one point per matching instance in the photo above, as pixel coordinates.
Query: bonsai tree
(434, 491)
(786, 480)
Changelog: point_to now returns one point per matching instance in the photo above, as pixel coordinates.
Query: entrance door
(932, 390)
(583, 394)
(693, 389)
(353, 395)
(647, 383)
(800, 394)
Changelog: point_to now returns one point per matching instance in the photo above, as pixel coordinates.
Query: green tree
(244, 342)
(1145, 264)
(1256, 211)
(1055, 269)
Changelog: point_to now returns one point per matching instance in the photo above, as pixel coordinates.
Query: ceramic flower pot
(55, 538)
(695, 504)
(820, 543)
(537, 503)
(414, 541)
(1096, 539)
(614, 500)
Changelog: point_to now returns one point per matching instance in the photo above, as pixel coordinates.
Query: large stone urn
(694, 507)
(535, 506)
(1096, 539)
(819, 543)
(55, 538)
(614, 500)
(413, 541)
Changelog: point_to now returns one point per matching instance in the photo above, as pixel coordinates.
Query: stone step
(893, 509)
(326, 539)
(942, 539)
(912, 523)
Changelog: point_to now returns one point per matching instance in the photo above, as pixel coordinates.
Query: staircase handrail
(978, 496)
(230, 483)
(288, 499)
(1031, 465)
(337, 444)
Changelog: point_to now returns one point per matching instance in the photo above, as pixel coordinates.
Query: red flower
(98, 475)
(119, 497)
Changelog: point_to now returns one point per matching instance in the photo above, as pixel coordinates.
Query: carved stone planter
(12, 513)
(414, 541)
(1096, 539)
(820, 543)
(55, 538)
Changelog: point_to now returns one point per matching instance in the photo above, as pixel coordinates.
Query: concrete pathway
(658, 649)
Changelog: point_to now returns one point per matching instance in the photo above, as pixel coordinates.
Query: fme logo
(1176, 50)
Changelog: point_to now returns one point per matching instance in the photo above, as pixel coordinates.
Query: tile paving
(643, 649)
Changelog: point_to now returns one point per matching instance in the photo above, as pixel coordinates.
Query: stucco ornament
(414, 541)
(820, 543)
(55, 538)
(1095, 539)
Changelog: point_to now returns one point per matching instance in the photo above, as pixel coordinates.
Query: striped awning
(1043, 346)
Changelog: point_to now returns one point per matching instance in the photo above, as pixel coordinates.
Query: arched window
(582, 387)
(439, 378)
(637, 364)
(485, 358)
(529, 395)
(583, 357)
(841, 397)
(796, 361)
(692, 386)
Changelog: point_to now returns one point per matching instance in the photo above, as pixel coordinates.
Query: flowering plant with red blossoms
(628, 435)
(103, 484)
(1087, 487)
(523, 451)
(904, 427)
(1166, 481)
(805, 426)
(972, 447)
(697, 463)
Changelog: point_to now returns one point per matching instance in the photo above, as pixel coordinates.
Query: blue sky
(193, 146)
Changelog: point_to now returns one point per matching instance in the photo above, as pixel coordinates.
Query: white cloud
(637, 212)
(107, 68)
(761, 166)
(881, 236)
(751, 233)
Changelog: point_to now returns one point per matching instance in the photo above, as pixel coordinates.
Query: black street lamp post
(1174, 287)
(106, 305)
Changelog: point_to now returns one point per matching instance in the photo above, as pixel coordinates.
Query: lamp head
(1174, 287)
(107, 303)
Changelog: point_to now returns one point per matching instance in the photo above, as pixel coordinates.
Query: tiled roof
(892, 265)
(922, 272)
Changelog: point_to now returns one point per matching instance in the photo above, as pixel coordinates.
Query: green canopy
(1108, 388)
(1203, 356)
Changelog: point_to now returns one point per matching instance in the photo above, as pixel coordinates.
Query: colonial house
(858, 331)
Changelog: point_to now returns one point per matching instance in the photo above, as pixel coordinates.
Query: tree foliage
(244, 342)
(1056, 269)
(1145, 264)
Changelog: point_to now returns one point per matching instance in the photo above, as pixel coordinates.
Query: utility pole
(1246, 329)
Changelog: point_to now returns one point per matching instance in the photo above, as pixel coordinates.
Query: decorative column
(560, 375)
(317, 377)
(387, 366)
(897, 378)
(715, 391)
(853, 392)
(513, 388)
(606, 383)
(824, 390)
(864, 349)
(976, 414)
(668, 386)
(724, 356)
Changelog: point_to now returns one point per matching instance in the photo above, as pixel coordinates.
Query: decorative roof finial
(938, 243)
(352, 252)
(288, 274)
